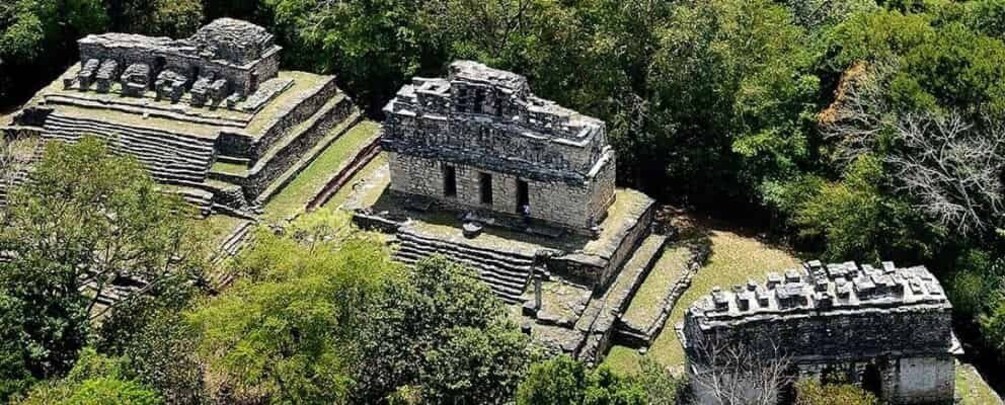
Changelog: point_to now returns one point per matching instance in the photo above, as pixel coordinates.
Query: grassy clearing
(735, 258)
(971, 387)
(294, 196)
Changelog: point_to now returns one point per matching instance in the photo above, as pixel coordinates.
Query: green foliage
(37, 39)
(173, 18)
(442, 332)
(856, 221)
(285, 332)
(563, 380)
(809, 392)
(95, 379)
(85, 214)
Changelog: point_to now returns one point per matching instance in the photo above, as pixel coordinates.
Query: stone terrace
(223, 153)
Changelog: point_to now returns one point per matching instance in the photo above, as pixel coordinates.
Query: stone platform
(217, 158)
(586, 283)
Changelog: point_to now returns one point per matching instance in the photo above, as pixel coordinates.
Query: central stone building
(479, 140)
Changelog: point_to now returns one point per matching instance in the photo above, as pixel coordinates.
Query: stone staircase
(231, 246)
(171, 158)
(506, 273)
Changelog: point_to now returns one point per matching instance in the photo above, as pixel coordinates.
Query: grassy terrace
(971, 387)
(229, 168)
(216, 228)
(644, 308)
(735, 258)
(295, 196)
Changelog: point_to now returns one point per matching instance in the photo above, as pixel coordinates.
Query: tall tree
(84, 221)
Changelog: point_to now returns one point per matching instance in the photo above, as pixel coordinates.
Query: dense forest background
(851, 130)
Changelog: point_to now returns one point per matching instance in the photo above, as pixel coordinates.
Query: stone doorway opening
(522, 196)
(485, 181)
(449, 181)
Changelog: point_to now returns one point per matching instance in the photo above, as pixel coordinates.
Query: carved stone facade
(480, 140)
(888, 329)
(225, 60)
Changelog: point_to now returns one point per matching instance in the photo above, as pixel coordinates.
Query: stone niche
(479, 140)
(888, 329)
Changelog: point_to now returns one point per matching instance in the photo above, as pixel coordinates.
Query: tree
(287, 331)
(85, 221)
(37, 39)
(563, 380)
(173, 18)
(952, 169)
(96, 379)
(734, 373)
(442, 332)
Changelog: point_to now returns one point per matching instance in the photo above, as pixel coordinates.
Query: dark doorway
(449, 181)
(871, 379)
(485, 180)
(522, 195)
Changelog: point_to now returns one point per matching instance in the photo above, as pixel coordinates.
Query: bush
(810, 392)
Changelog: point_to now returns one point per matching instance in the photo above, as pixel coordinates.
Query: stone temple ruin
(211, 116)
(887, 329)
(480, 141)
(522, 190)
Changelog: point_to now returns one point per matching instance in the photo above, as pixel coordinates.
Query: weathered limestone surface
(892, 323)
(480, 121)
(227, 56)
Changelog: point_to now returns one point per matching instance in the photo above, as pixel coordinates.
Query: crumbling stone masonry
(227, 58)
(888, 328)
(210, 115)
(479, 140)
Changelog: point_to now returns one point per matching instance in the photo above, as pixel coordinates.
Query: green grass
(370, 194)
(623, 360)
(645, 306)
(735, 258)
(295, 196)
(971, 387)
(216, 228)
(229, 168)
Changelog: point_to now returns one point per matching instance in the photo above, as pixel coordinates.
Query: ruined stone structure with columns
(888, 329)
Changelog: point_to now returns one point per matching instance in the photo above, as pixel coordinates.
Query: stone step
(507, 269)
(135, 146)
(508, 294)
(233, 160)
(158, 167)
(518, 259)
(180, 141)
(128, 138)
(510, 278)
(509, 285)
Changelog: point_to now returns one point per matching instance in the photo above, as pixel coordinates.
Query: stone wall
(482, 120)
(552, 202)
(838, 318)
(269, 168)
(240, 54)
